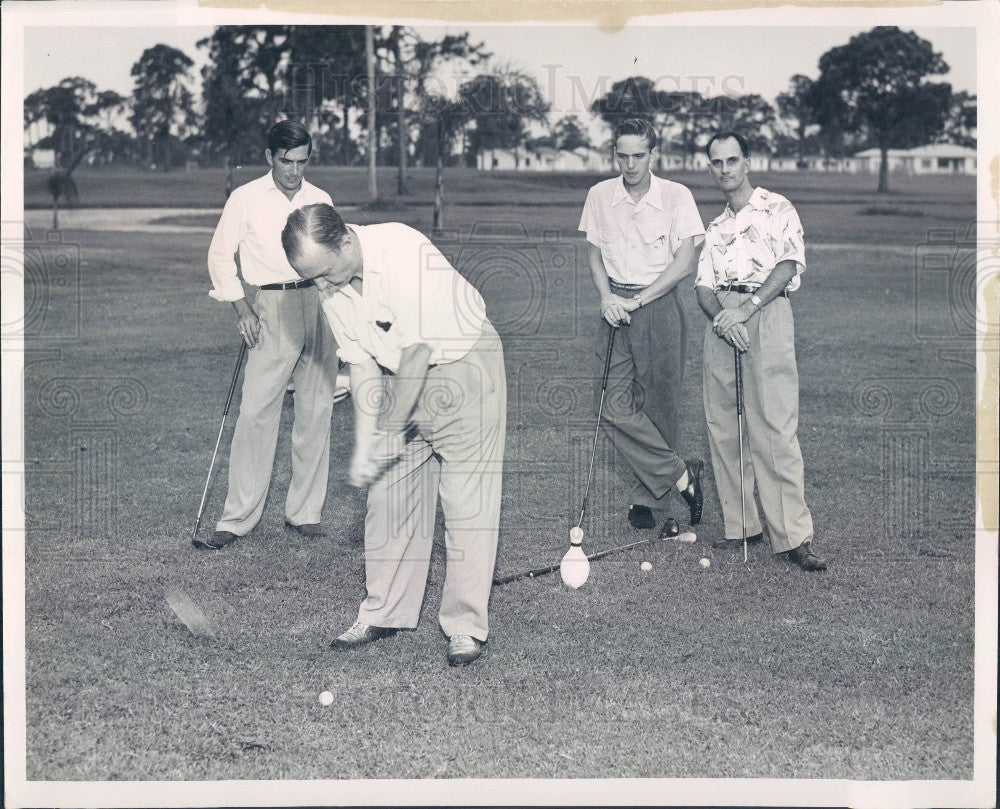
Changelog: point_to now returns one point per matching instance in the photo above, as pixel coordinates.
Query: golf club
(218, 440)
(597, 429)
(542, 571)
(739, 420)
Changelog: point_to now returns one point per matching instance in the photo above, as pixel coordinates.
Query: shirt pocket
(654, 230)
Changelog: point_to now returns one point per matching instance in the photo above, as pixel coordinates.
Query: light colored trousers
(457, 453)
(295, 344)
(772, 458)
(642, 401)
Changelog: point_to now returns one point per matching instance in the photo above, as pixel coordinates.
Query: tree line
(875, 90)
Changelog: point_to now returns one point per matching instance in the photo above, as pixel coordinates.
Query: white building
(544, 158)
(935, 158)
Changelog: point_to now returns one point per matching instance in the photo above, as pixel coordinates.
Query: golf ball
(326, 698)
(576, 534)
(705, 562)
(646, 566)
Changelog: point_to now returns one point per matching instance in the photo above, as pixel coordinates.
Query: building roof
(930, 150)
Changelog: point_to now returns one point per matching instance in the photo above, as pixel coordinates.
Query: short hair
(288, 135)
(319, 222)
(736, 136)
(636, 126)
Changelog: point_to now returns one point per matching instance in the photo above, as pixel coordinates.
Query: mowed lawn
(862, 672)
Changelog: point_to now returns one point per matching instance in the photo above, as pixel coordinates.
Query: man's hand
(369, 462)
(248, 325)
(737, 336)
(728, 318)
(615, 309)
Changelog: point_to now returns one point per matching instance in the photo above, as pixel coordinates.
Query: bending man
(430, 409)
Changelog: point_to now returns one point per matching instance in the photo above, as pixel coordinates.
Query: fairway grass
(863, 672)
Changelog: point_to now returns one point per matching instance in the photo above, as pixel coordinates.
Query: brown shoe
(805, 558)
(359, 634)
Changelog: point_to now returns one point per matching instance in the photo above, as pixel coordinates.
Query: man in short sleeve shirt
(287, 339)
(753, 258)
(644, 234)
(430, 415)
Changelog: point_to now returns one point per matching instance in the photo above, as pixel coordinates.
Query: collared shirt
(743, 247)
(638, 239)
(251, 223)
(411, 294)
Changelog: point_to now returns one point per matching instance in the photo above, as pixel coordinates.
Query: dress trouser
(294, 344)
(772, 458)
(457, 453)
(643, 397)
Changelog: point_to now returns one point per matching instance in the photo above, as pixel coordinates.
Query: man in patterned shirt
(753, 258)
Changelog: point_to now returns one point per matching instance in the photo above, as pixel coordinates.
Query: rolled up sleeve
(685, 219)
(222, 267)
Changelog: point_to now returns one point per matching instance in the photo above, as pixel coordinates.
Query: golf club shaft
(739, 420)
(597, 429)
(218, 440)
(593, 557)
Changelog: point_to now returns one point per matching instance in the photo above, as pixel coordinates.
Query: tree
(690, 119)
(634, 97)
(753, 117)
(570, 134)
(875, 85)
(499, 106)
(373, 197)
(163, 104)
(796, 115)
(960, 122)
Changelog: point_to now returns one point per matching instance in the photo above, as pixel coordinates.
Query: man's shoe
(805, 558)
(641, 517)
(219, 540)
(311, 530)
(733, 544)
(360, 634)
(463, 649)
(670, 528)
(692, 492)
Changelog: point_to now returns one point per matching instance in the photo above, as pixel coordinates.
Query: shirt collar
(758, 198)
(652, 197)
(273, 186)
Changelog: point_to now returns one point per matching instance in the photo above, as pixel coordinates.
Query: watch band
(755, 300)
(637, 299)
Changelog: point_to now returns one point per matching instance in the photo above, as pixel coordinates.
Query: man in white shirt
(287, 340)
(430, 409)
(644, 234)
(753, 259)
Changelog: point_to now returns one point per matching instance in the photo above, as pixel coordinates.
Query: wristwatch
(755, 300)
(637, 300)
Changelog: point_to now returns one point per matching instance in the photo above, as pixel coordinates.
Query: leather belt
(746, 288)
(306, 282)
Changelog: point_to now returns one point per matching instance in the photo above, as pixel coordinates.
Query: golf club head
(189, 613)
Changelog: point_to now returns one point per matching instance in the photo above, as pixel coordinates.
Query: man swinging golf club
(753, 258)
(644, 234)
(430, 410)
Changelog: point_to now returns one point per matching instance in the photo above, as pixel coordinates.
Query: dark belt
(627, 287)
(746, 288)
(306, 282)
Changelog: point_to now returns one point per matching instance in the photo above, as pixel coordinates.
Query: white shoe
(360, 634)
(463, 649)
(342, 388)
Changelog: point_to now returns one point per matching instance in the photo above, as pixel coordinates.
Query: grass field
(864, 672)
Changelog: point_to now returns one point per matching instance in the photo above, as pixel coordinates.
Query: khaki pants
(642, 401)
(295, 344)
(457, 453)
(772, 458)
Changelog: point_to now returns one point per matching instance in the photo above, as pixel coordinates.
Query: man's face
(288, 166)
(729, 166)
(330, 269)
(634, 156)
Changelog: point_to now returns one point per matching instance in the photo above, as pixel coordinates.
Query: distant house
(543, 158)
(935, 158)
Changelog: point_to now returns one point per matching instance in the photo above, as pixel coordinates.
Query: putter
(739, 420)
(218, 440)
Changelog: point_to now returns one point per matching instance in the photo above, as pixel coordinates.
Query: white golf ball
(576, 534)
(326, 698)
(705, 562)
(646, 566)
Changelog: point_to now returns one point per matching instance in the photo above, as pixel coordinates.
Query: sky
(571, 63)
